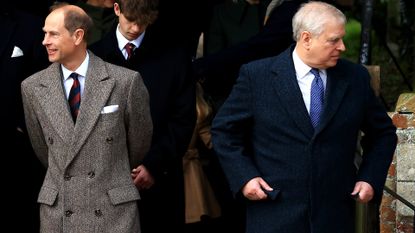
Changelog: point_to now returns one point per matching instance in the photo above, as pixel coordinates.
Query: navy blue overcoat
(263, 129)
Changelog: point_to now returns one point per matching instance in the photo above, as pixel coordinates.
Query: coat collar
(52, 100)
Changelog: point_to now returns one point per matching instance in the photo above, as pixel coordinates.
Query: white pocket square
(109, 109)
(17, 52)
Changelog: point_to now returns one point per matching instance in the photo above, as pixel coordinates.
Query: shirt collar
(301, 68)
(81, 70)
(122, 41)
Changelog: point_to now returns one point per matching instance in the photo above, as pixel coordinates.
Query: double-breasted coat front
(88, 185)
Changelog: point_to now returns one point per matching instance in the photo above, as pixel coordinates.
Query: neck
(305, 57)
(75, 61)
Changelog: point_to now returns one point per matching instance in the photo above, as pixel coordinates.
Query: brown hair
(143, 12)
(75, 19)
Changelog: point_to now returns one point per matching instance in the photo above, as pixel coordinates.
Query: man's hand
(363, 192)
(254, 189)
(142, 177)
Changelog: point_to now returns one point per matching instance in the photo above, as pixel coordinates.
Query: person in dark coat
(166, 74)
(232, 22)
(22, 54)
(297, 171)
(102, 14)
(183, 22)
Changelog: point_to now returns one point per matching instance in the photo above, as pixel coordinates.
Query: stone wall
(396, 217)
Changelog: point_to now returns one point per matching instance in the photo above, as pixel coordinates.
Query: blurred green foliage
(352, 40)
(393, 83)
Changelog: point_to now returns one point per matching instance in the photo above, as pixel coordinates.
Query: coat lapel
(98, 87)
(286, 86)
(53, 101)
(337, 85)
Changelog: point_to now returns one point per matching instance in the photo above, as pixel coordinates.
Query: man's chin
(333, 62)
(52, 59)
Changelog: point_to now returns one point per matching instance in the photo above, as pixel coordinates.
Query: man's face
(130, 30)
(325, 50)
(59, 43)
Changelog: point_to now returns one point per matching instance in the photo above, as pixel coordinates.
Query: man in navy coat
(296, 176)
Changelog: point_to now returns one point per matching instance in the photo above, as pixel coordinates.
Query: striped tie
(316, 97)
(75, 96)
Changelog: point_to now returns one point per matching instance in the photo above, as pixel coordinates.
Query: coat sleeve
(140, 126)
(378, 143)
(33, 126)
(230, 131)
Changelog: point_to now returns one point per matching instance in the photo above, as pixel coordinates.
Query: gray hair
(313, 16)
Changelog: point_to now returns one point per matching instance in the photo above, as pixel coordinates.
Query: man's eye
(334, 41)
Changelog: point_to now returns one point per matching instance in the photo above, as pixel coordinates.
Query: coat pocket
(123, 194)
(47, 196)
(272, 195)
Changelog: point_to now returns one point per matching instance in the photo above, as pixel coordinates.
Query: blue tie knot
(315, 72)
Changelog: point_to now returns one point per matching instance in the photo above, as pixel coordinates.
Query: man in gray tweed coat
(89, 156)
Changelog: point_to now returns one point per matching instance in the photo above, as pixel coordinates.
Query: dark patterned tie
(129, 48)
(75, 96)
(316, 97)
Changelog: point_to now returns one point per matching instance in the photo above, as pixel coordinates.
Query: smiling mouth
(51, 51)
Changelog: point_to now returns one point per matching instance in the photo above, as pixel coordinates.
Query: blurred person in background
(22, 54)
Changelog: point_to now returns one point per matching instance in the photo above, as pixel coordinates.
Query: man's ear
(78, 36)
(306, 39)
(117, 9)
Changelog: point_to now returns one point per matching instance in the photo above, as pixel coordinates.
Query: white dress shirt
(81, 71)
(122, 41)
(305, 78)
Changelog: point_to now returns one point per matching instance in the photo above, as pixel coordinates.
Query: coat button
(50, 140)
(98, 213)
(109, 140)
(67, 177)
(68, 213)
(91, 174)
